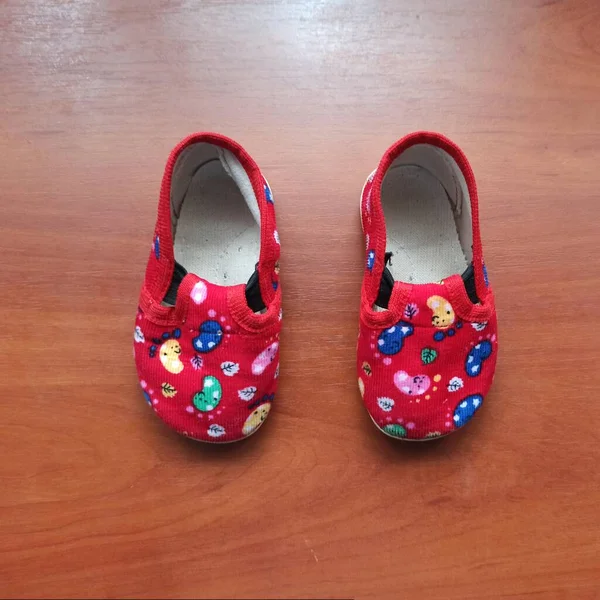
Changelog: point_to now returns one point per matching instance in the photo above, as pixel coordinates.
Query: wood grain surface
(98, 498)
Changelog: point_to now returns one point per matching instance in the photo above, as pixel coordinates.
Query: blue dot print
(476, 357)
(391, 340)
(466, 409)
(210, 337)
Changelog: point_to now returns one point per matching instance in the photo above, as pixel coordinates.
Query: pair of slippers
(206, 340)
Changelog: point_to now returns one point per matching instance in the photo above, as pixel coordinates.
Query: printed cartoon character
(391, 340)
(256, 419)
(264, 359)
(169, 351)
(443, 313)
(169, 356)
(210, 337)
(210, 396)
(411, 386)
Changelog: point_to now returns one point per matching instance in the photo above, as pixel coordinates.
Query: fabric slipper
(428, 342)
(206, 340)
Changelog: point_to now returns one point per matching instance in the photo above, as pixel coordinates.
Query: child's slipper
(428, 343)
(206, 341)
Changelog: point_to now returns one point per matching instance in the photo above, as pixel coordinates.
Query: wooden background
(98, 498)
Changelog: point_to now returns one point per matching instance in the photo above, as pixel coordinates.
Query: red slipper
(428, 342)
(206, 341)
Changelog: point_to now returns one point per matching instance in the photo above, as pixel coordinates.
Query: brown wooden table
(98, 498)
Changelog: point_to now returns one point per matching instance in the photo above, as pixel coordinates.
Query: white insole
(421, 229)
(217, 237)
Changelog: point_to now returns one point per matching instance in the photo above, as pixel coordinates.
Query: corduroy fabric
(426, 363)
(208, 366)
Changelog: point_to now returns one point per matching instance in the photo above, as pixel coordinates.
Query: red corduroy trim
(374, 221)
(265, 323)
(160, 271)
(387, 318)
